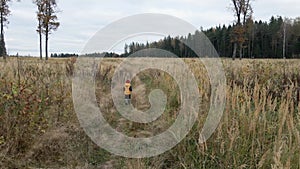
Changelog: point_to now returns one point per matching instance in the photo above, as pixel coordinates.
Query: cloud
(80, 20)
(263, 10)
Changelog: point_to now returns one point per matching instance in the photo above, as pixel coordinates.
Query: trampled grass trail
(259, 128)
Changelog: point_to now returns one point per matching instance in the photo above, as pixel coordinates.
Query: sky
(81, 19)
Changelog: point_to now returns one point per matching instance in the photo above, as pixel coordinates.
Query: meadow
(260, 126)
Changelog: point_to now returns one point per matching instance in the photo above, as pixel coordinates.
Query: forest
(278, 38)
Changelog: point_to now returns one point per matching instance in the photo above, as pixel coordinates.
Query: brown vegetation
(259, 129)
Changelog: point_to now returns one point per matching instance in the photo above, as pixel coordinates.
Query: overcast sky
(81, 19)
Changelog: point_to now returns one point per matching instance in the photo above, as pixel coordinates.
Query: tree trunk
(284, 41)
(2, 42)
(46, 42)
(252, 46)
(41, 46)
(40, 36)
(241, 51)
(249, 48)
(275, 52)
(234, 51)
(2, 24)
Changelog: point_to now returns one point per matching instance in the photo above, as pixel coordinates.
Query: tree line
(46, 17)
(246, 38)
(277, 38)
(63, 55)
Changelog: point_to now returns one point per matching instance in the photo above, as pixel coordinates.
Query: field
(260, 127)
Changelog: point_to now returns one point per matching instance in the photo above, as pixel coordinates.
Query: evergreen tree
(47, 21)
(4, 12)
(261, 40)
(40, 17)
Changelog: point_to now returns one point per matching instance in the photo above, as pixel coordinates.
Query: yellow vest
(127, 91)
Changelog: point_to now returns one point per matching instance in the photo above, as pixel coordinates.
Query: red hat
(127, 81)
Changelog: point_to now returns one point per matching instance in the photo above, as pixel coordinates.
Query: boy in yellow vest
(127, 92)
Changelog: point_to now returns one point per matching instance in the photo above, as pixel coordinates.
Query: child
(127, 91)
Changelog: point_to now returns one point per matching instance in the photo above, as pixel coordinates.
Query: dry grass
(259, 129)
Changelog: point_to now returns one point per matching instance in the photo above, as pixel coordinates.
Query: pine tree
(47, 21)
(40, 6)
(4, 12)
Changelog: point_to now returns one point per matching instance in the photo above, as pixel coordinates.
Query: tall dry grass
(259, 128)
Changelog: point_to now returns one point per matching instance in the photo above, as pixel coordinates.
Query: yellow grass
(259, 128)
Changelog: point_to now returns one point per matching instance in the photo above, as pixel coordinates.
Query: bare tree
(247, 11)
(242, 10)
